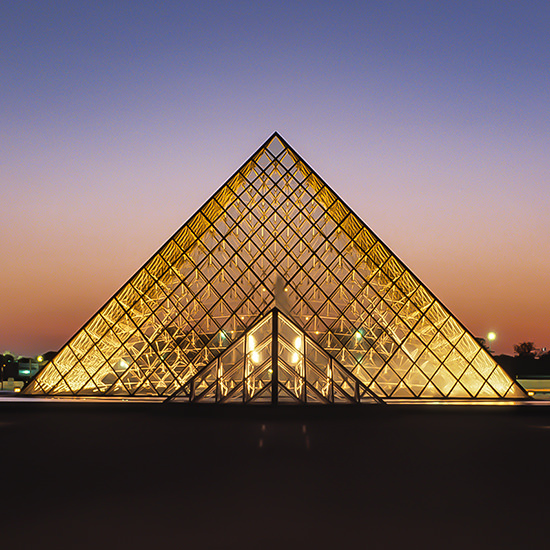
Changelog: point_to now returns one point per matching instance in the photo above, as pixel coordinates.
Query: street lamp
(491, 337)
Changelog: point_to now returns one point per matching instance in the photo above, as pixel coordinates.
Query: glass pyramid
(275, 361)
(274, 235)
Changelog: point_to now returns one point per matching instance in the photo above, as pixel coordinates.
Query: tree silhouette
(525, 349)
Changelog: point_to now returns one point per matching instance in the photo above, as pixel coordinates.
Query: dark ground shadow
(147, 476)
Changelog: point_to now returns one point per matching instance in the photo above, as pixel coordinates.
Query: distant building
(15, 372)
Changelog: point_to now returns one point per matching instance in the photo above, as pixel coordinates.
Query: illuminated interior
(299, 371)
(194, 322)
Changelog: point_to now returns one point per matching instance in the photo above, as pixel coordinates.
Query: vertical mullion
(218, 382)
(274, 359)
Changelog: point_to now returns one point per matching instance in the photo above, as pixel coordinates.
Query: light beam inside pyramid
(274, 235)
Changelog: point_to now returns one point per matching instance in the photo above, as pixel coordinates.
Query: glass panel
(437, 315)
(440, 346)
(500, 381)
(425, 330)
(444, 380)
(387, 380)
(81, 344)
(292, 377)
(410, 314)
(344, 380)
(291, 335)
(467, 346)
(428, 363)
(430, 391)
(459, 391)
(416, 380)
(456, 363)
(487, 391)
(483, 363)
(515, 393)
(452, 331)
(402, 391)
(258, 334)
(471, 380)
(412, 346)
(400, 363)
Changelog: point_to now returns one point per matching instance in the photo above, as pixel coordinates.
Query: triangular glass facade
(274, 235)
(274, 362)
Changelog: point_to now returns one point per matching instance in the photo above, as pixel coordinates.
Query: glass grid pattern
(248, 371)
(274, 235)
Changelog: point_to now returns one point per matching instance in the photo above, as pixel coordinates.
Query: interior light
(123, 364)
(295, 357)
(251, 342)
(255, 356)
(357, 335)
(298, 343)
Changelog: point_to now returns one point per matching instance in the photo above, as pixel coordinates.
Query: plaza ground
(126, 475)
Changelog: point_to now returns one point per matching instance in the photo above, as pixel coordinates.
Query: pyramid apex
(276, 135)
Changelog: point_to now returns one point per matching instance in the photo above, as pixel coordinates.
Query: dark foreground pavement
(151, 476)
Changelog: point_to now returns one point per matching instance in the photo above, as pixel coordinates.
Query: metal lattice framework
(275, 361)
(274, 235)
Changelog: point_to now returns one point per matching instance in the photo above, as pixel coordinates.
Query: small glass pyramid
(274, 236)
(273, 362)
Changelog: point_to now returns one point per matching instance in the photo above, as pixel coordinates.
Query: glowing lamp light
(251, 342)
(295, 357)
(255, 356)
(17, 390)
(40, 358)
(298, 343)
(123, 364)
(491, 336)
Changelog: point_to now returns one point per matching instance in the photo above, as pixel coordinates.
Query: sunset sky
(431, 119)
